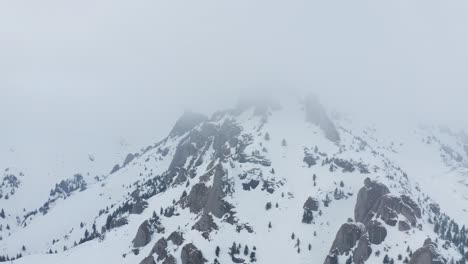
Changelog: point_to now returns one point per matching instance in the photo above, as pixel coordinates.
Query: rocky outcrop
(176, 238)
(375, 201)
(377, 232)
(209, 200)
(316, 114)
(403, 226)
(428, 254)
(347, 236)
(205, 224)
(143, 235)
(362, 251)
(160, 249)
(148, 260)
(389, 207)
(192, 255)
(130, 157)
(367, 197)
(138, 207)
(187, 122)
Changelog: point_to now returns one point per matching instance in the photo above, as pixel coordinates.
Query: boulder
(403, 226)
(377, 232)
(192, 255)
(143, 235)
(367, 197)
(428, 254)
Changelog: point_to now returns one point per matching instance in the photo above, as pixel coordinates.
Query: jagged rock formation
(347, 236)
(428, 254)
(377, 232)
(188, 121)
(192, 255)
(143, 236)
(367, 197)
(316, 114)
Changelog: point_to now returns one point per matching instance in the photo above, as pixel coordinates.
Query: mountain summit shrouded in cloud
(348, 144)
(270, 182)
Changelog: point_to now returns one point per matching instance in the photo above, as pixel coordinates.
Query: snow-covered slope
(264, 182)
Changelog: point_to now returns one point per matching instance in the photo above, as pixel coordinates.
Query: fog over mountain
(85, 83)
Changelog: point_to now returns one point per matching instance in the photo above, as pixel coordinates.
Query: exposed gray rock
(139, 206)
(143, 235)
(316, 114)
(205, 224)
(192, 255)
(375, 200)
(128, 159)
(187, 122)
(169, 260)
(367, 197)
(115, 168)
(148, 260)
(176, 238)
(197, 198)
(160, 249)
(403, 226)
(428, 254)
(209, 199)
(347, 236)
(363, 250)
(389, 207)
(377, 232)
(332, 258)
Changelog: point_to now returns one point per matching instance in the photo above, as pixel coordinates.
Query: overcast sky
(111, 69)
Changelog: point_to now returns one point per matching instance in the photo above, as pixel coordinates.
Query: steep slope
(264, 182)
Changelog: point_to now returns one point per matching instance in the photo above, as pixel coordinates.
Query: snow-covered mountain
(264, 182)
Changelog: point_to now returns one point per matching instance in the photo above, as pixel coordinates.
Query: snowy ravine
(263, 182)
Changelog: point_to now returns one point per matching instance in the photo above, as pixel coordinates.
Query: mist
(97, 74)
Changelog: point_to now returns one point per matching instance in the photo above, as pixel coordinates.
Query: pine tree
(253, 257)
(386, 260)
(246, 250)
(217, 251)
(2, 214)
(267, 136)
(284, 143)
